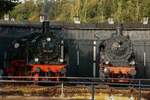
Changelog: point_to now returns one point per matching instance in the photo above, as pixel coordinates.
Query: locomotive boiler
(117, 58)
(39, 54)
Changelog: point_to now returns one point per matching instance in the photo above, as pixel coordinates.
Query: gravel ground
(70, 93)
(35, 98)
(105, 97)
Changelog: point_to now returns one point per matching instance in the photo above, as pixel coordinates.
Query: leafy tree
(88, 10)
(27, 11)
(6, 6)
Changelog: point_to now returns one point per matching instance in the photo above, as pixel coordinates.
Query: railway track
(72, 88)
(55, 91)
(23, 87)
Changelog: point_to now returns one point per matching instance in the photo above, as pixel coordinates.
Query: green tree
(6, 6)
(27, 11)
(88, 10)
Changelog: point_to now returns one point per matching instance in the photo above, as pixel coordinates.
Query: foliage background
(6, 6)
(89, 11)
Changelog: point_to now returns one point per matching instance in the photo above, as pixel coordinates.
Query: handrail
(80, 78)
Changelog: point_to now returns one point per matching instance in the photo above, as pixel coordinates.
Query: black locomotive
(117, 59)
(39, 54)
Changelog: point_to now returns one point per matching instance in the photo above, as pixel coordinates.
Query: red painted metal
(121, 69)
(45, 68)
(20, 68)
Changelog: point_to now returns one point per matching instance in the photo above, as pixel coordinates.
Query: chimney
(45, 27)
(45, 24)
(119, 29)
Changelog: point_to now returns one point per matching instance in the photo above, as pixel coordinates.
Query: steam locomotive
(117, 58)
(39, 54)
